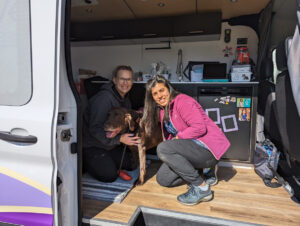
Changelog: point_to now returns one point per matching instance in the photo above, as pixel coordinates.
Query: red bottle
(242, 55)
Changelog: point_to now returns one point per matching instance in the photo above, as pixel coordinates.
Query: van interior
(176, 35)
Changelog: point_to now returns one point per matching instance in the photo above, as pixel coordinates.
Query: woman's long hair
(150, 117)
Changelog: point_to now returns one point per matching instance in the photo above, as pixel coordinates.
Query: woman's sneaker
(195, 195)
(211, 175)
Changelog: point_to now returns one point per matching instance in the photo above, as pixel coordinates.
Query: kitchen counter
(193, 88)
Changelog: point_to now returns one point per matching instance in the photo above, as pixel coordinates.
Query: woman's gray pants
(181, 160)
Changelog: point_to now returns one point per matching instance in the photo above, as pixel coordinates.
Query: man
(101, 155)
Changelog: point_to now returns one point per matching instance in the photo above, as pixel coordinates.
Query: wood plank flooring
(240, 195)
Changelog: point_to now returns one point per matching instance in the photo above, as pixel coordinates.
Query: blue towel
(110, 192)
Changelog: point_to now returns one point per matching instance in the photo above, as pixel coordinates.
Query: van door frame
(77, 148)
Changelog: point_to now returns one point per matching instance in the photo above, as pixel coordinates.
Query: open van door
(29, 62)
(293, 61)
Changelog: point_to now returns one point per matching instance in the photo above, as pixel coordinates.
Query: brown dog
(121, 120)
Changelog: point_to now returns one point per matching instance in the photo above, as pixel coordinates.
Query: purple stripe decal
(27, 219)
(17, 193)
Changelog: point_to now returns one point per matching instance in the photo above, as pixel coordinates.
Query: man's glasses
(123, 80)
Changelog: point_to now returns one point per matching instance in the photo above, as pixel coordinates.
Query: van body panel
(28, 170)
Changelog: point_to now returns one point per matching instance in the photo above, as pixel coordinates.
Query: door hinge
(65, 135)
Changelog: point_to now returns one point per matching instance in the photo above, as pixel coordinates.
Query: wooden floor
(240, 195)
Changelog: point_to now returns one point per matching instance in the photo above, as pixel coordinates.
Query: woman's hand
(129, 139)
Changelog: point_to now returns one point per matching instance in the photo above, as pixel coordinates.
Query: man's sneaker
(211, 176)
(195, 195)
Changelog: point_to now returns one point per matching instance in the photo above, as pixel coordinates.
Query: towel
(111, 192)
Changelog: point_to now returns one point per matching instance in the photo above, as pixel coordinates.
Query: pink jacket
(191, 122)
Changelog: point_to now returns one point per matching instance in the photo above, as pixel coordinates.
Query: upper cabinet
(150, 28)
(148, 31)
(200, 27)
(94, 31)
(113, 30)
(204, 26)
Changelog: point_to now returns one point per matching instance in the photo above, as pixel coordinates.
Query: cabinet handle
(107, 36)
(149, 35)
(196, 32)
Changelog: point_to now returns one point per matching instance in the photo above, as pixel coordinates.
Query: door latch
(65, 135)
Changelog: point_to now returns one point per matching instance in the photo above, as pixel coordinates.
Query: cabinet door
(114, 30)
(106, 30)
(204, 23)
(223, 108)
(151, 28)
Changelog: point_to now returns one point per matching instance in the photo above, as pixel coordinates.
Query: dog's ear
(129, 120)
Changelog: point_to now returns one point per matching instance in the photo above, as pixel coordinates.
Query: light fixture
(161, 4)
(234, 1)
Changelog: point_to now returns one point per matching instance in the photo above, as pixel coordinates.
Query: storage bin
(241, 76)
(241, 68)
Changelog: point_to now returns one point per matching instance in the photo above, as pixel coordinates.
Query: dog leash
(122, 173)
(122, 159)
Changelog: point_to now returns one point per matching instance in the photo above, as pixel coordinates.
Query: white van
(43, 44)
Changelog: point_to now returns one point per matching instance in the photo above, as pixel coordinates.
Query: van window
(15, 54)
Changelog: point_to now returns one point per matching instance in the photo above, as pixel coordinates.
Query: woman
(192, 140)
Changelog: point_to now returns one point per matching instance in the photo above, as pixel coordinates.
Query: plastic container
(241, 76)
(241, 68)
(197, 73)
(146, 77)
